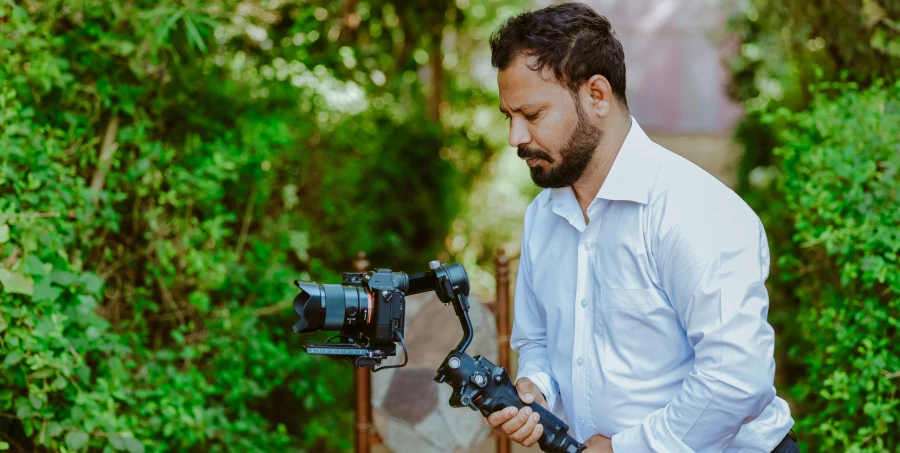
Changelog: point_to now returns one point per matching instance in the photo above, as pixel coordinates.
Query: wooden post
(363, 385)
(504, 444)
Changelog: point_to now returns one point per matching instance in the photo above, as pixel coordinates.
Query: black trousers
(787, 445)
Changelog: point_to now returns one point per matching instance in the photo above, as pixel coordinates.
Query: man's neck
(587, 188)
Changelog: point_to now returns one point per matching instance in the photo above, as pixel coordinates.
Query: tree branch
(106, 153)
(274, 308)
(245, 226)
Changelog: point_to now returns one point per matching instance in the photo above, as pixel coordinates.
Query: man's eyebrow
(524, 107)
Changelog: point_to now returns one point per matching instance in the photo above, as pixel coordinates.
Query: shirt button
(584, 302)
(558, 205)
(587, 246)
(581, 420)
(580, 361)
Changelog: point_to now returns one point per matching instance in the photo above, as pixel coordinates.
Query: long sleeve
(712, 268)
(529, 333)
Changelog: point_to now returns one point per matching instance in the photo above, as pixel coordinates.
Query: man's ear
(601, 95)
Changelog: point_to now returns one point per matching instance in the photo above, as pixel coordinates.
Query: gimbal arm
(451, 285)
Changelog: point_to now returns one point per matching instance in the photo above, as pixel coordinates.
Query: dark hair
(571, 39)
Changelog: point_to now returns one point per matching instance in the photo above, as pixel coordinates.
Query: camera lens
(329, 307)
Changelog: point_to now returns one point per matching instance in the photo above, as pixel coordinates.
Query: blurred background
(168, 168)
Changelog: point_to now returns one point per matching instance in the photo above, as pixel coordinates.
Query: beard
(574, 156)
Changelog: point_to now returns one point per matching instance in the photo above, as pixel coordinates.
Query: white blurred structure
(676, 79)
(673, 53)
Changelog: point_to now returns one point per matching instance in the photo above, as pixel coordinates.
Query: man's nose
(518, 133)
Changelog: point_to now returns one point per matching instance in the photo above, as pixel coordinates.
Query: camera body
(367, 308)
(385, 314)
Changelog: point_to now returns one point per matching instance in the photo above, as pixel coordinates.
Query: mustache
(524, 153)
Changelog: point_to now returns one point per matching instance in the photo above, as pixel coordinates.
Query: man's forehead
(521, 87)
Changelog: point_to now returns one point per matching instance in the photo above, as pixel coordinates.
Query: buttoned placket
(583, 309)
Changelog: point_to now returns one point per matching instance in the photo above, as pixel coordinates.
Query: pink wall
(673, 52)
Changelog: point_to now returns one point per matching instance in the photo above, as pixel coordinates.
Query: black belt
(788, 444)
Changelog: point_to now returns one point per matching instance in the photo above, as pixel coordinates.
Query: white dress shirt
(648, 323)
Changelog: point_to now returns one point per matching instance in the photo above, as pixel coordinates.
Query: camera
(367, 309)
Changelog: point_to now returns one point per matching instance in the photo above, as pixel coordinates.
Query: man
(640, 309)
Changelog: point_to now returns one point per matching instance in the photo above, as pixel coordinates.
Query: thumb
(526, 390)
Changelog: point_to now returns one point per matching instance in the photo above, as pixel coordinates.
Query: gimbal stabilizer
(477, 383)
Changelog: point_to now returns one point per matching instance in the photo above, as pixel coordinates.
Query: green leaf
(163, 32)
(193, 35)
(200, 300)
(92, 283)
(36, 401)
(35, 267)
(54, 429)
(44, 292)
(60, 382)
(12, 359)
(118, 443)
(76, 439)
(23, 408)
(4, 233)
(4, 445)
(63, 278)
(133, 445)
(14, 282)
(42, 373)
(87, 302)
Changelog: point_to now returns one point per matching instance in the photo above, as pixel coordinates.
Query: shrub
(167, 168)
(840, 179)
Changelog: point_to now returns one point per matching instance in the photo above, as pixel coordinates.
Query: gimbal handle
(478, 383)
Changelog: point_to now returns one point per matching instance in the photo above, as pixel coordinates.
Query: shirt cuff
(545, 384)
(651, 436)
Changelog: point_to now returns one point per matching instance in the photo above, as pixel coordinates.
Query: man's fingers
(526, 429)
(534, 437)
(502, 416)
(516, 422)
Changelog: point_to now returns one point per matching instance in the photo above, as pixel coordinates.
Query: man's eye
(533, 116)
(507, 116)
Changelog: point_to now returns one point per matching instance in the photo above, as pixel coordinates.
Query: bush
(785, 45)
(840, 179)
(167, 168)
(822, 215)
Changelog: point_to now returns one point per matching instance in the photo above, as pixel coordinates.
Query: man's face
(547, 124)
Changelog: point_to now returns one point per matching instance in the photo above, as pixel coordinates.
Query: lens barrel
(329, 307)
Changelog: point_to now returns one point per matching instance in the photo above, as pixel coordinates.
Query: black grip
(483, 386)
(555, 438)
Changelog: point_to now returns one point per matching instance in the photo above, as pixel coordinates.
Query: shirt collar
(633, 171)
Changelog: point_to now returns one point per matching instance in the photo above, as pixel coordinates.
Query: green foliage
(168, 168)
(788, 44)
(840, 179)
(827, 197)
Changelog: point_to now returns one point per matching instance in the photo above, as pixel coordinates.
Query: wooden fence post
(363, 384)
(504, 445)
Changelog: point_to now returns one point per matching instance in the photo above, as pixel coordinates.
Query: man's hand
(521, 425)
(598, 444)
